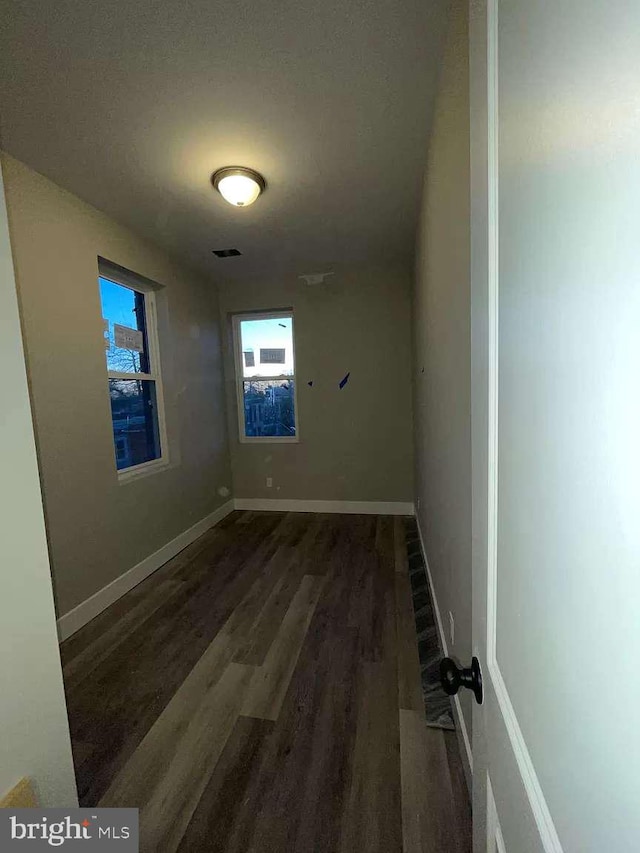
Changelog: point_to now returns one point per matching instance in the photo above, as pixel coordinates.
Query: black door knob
(453, 677)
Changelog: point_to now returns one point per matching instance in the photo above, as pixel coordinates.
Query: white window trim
(153, 466)
(240, 378)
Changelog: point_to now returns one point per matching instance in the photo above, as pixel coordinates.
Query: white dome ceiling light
(237, 185)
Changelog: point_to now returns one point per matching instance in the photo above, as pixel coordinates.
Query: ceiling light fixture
(237, 185)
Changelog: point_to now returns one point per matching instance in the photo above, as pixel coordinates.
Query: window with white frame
(133, 370)
(265, 376)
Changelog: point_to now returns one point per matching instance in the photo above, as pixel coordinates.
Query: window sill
(145, 470)
(269, 439)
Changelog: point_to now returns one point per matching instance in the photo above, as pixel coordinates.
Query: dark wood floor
(261, 692)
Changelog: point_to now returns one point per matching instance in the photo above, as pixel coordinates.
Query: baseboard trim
(358, 507)
(461, 726)
(99, 601)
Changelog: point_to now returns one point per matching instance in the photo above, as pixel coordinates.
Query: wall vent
(316, 277)
(226, 253)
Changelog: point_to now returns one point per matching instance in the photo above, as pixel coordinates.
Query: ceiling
(133, 105)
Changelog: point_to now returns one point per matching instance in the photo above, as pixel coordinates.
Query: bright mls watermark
(86, 829)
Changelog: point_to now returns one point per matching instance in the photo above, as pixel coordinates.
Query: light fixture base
(238, 185)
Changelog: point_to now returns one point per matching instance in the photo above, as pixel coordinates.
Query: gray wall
(355, 443)
(97, 527)
(34, 735)
(442, 393)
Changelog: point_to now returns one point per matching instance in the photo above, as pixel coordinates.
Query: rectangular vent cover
(226, 253)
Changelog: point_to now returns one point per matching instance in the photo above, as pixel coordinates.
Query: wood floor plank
(329, 759)
(461, 800)
(146, 767)
(222, 802)
(400, 546)
(429, 819)
(168, 772)
(372, 813)
(372, 817)
(409, 682)
(165, 818)
(271, 680)
(84, 663)
(315, 546)
(307, 760)
(384, 539)
(418, 836)
(260, 635)
(244, 615)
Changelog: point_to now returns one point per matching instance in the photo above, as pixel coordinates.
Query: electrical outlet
(452, 632)
(269, 482)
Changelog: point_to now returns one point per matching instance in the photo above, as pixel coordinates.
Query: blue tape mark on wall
(344, 381)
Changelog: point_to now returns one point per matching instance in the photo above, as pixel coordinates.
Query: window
(265, 376)
(133, 370)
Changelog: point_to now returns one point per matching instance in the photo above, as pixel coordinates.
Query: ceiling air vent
(226, 253)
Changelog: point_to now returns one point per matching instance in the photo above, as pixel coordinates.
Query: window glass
(124, 328)
(135, 421)
(267, 347)
(269, 407)
(265, 372)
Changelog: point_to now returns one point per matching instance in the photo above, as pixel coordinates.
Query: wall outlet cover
(269, 482)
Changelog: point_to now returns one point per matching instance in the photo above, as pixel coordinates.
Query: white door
(555, 200)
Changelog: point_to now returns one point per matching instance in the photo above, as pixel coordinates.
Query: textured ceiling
(132, 106)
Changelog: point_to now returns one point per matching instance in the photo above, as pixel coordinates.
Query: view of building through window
(266, 375)
(131, 374)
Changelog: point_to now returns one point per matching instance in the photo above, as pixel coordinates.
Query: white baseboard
(461, 726)
(99, 601)
(359, 507)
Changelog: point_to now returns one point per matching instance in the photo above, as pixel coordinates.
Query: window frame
(130, 281)
(240, 378)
